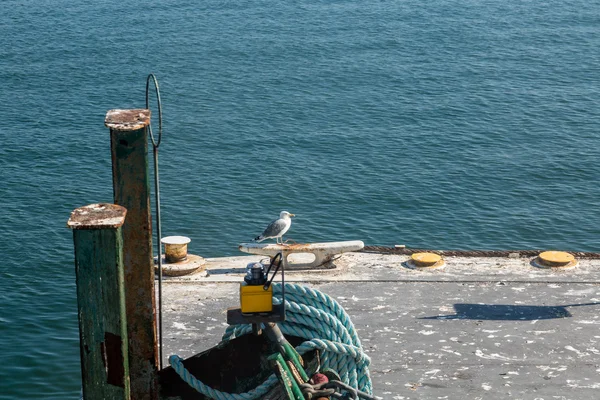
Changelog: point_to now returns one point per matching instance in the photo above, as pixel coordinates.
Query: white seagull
(277, 228)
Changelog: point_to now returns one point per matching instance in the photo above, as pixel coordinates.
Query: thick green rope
(312, 315)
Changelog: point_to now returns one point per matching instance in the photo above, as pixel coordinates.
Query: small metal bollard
(175, 248)
(176, 261)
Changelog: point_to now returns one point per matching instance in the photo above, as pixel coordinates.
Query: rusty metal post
(98, 244)
(129, 151)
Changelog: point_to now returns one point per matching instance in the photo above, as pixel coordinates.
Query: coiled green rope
(312, 315)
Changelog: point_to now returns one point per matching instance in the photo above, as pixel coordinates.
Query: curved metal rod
(155, 144)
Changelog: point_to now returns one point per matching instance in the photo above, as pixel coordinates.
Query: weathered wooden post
(129, 151)
(98, 244)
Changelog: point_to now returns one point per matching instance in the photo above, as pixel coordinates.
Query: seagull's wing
(274, 229)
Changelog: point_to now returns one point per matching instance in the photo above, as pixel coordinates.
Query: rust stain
(95, 216)
(131, 189)
(297, 246)
(127, 120)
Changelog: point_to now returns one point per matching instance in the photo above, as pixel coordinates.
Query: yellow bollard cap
(556, 259)
(425, 260)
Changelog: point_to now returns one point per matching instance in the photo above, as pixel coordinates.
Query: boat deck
(480, 328)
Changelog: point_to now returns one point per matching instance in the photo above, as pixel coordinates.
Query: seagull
(277, 228)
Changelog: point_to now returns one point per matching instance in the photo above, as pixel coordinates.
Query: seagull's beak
(292, 215)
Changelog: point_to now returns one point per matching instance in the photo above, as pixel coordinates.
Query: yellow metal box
(254, 299)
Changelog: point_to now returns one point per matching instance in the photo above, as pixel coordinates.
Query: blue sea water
(440, 124)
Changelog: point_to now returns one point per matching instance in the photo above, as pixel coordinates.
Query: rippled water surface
(455, 125)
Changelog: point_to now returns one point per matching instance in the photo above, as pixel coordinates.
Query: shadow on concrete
(237, 366)
(225, 271)
(506, 312)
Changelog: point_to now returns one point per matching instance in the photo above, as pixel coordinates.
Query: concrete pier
(480, 328)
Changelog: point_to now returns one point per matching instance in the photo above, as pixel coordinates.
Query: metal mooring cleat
(323, 253)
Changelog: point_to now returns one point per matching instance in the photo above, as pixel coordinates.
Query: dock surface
(480, 328)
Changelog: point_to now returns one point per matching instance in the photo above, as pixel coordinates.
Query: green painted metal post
(98, 244)
(129, 151)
